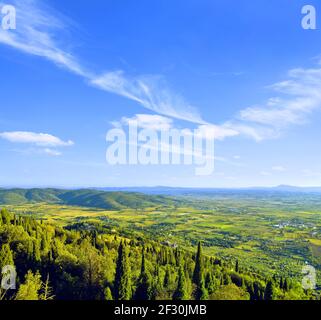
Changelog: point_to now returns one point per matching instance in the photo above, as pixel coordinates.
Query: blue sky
(73, 68)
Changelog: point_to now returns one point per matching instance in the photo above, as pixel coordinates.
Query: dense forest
(71, 263)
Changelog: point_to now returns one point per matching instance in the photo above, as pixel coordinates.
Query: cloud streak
(34, 35)
(38, 139)
(151, 93)
(148, 121)
(296, 98)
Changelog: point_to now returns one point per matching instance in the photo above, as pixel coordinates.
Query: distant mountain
(85, 197)
(150, 190)
(176, 191)
(286, 188)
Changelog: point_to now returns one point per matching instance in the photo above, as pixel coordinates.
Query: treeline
(55, 263)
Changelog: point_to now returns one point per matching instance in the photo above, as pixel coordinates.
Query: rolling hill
(85, 198)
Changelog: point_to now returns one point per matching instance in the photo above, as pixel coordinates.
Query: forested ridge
(53, 262)
(84, 197)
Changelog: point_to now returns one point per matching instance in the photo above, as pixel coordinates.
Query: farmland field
(272, 233)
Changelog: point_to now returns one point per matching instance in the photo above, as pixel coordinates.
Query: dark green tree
(269, 291)
(198, 270)
(201, 292)
(256, 291)
(226, 280)
(123, 284)
(286, 285)
(181, 292)
(167, 278)
(144, 282)
(210, 283)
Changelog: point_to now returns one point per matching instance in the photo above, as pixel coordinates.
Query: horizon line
(156, 187)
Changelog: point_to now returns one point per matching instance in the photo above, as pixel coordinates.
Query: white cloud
(217, 132)
(38, 139)
(300, 95)
(259, 123)
(52, 152)
(38, 151)
(35, 34)
(295, 99)
(151, 122)
(157, 122)
(150, 92)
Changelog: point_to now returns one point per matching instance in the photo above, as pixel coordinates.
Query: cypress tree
(157, 285)
(201, 292)
(210, 283)
(286, 285)
(269, 291)
(226, 280)
(181, 291)
(123, 286)
(142, 291)
(256, 291)
(198, 271)
(167, 278)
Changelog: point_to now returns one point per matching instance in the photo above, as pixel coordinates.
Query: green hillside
(78, 264)
(87, 198)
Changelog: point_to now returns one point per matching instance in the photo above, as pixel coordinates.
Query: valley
(271, 233)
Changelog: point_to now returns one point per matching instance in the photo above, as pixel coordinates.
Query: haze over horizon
(160, 188)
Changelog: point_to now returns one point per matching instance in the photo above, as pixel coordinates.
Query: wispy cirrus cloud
(35, 35)
(298, 97)
(149, 91)
(293, 101)
(158, 122)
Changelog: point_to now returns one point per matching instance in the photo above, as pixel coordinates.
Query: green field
(271, 234)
